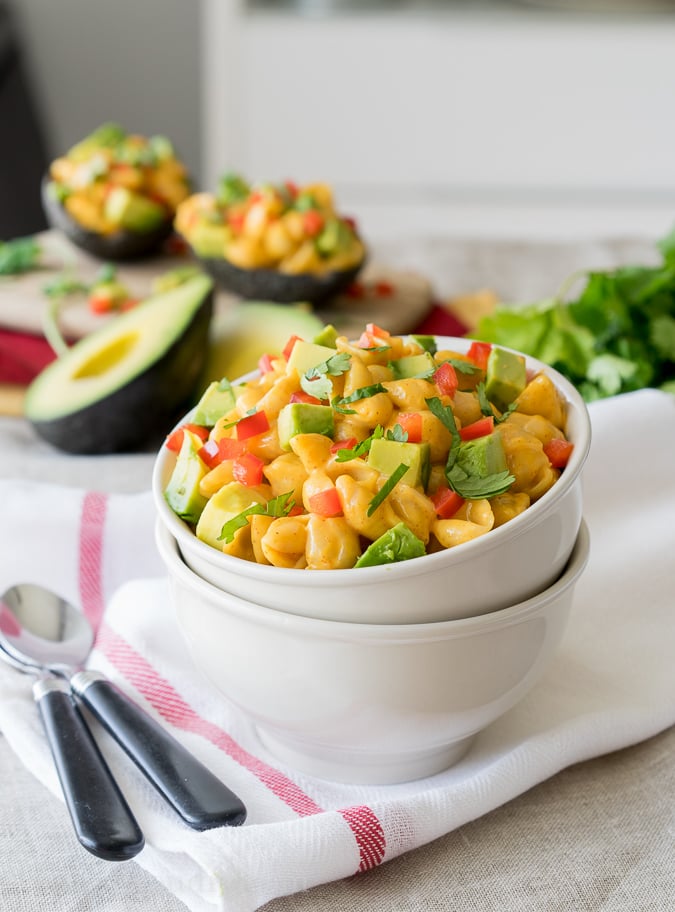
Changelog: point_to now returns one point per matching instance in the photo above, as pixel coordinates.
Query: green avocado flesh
(396, 544)
(239, 336)
(127, 382)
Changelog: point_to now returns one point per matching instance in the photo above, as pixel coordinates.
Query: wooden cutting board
(396, 300)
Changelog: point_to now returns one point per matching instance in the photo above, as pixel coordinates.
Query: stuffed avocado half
(275, 242)
(115, 194)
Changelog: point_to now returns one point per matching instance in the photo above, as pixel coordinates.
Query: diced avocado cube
(505, 377)
(334, 236)
(162, 147)
(182, 492)
(327, 336)
(306, 355)
(132, 211)
(413, 366)
(209, 239)
(387, 455)
(231, 500)
(396, 544)
(483, 456)
(428, 343)
(217, 400)
(304, 418)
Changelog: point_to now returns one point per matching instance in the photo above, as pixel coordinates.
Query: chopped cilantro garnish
(364, 392)
(487, 409)
(315, 381)
(361, 449)
(277, 506)
(397, 433)
(19, 255)
(387, 487)
(471, 487)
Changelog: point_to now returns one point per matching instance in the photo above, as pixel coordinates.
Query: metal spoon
(45, 632)
(101, 818)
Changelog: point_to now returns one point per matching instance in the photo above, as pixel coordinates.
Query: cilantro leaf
(315, 381)
(361, 449)
(19, 255)
(387, 487)
(474, 487)
(364, 392)
(397, 433)
(277, 506)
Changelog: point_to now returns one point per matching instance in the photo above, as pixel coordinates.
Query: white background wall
(428, 117)
(135, 61)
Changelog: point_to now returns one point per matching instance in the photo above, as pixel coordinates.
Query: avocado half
(118, 247)
(280, 287)
(126, 384)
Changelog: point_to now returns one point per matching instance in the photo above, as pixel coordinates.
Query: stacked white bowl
(385, 674)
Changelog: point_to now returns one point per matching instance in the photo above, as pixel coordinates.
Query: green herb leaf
(474, 487)
(487, 408)
(66, 283)
(361, 449)
(445, 414)
(19, 255)
(397, 433)
(387, 487)
(315, 381)
(364, 392)
(277, 506)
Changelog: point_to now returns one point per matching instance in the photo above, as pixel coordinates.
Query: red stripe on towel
(92, 524)
(369, 835)
(162, 696)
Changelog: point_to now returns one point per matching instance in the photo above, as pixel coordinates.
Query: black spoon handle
(101, 817)
(198, 796)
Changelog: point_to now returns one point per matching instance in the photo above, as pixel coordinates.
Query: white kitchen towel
(612, 683)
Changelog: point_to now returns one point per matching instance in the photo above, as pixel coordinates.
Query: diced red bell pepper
(558, 452)
(411, 422)
(265, 365)
(480, 428)
(247, 469)
(312, 222)
(302, 396)
(326, 503)
(446, 502)
(355, 290)
(175, 439)
(216, 451)
(347, 444)
(288, 347)
(384, 289)
(252, 425)
(479, 352)
(292, 188)
(376, 330)
(445, 379)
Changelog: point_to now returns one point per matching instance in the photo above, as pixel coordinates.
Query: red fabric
(22, 356)
(440, 322)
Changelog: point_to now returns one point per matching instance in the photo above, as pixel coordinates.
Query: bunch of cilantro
(618, 335)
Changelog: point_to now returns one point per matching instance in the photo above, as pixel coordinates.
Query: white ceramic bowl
(505, 566)
(368, 703)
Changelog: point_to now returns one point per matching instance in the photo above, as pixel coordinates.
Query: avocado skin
(119, 247)
(140, 414)
(272, 285)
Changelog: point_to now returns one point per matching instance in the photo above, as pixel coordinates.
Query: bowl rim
(285, 576)
(393, 633)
